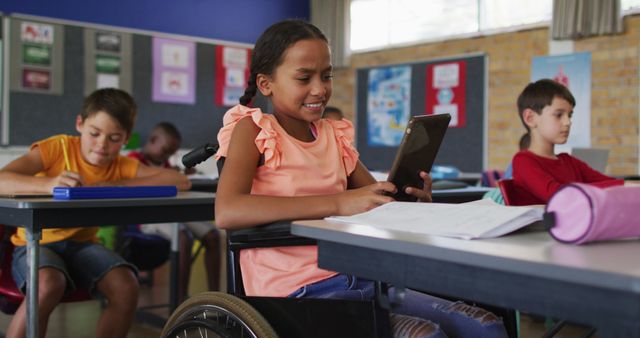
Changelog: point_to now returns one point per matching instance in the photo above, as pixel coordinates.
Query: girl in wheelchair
(293, 164)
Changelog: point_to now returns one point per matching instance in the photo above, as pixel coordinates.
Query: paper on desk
(479, 219)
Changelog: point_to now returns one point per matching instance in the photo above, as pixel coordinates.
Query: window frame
(477, 34)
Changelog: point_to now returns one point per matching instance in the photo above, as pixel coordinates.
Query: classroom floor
(78, 320)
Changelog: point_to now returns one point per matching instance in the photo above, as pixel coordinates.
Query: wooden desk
(35, 214)
(596, 284)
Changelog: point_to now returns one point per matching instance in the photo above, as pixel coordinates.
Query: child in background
(545, 108)
(71, 257)
(333, 113)
(163, 142)
(268, 162)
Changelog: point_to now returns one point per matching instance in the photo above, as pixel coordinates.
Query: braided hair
(271, 45)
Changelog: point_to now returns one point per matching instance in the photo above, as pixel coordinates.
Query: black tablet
(417, 151)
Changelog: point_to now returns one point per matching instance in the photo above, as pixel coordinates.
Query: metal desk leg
(33, 259)
(174, 271)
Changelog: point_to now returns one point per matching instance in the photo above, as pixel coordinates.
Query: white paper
(36, 32)
(107, 81)
(175, 55)
(174, 83)
(234, 57)
(379, 176)
(234, 77)
(446, 76)
(480, 219)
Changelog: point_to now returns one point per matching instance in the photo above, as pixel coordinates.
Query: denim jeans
(82, 263)
(456, 319)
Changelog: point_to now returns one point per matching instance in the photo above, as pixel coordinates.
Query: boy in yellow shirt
(72, 257)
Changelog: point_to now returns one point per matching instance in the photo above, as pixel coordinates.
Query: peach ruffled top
(291, 168)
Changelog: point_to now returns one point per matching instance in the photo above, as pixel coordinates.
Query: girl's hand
(66, 179)
(424, 194)
(359, 200)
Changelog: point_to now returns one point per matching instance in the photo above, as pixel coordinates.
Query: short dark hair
(539, 94)
(170, 129)
(525, 141)
(115, 102)
(332, 109)
(271, 45)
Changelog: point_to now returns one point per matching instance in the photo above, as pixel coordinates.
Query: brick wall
(614, 98)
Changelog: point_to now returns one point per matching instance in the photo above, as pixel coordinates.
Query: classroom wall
(614, 99)
(237, 21)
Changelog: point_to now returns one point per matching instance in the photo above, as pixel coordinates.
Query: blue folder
(68, 193)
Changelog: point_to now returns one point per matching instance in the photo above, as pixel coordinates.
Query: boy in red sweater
(545, 108)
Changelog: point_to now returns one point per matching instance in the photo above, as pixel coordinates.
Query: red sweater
(537, 178)
(140, 157)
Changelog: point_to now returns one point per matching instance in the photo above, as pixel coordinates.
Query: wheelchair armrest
(267, 235)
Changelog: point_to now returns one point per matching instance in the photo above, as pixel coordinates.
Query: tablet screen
(417, 152)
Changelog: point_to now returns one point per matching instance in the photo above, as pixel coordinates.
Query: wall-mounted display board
(386, 97)
(54, 64)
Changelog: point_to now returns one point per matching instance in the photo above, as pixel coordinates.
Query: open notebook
(477, 219)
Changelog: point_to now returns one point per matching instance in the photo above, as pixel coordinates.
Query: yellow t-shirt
(53, 160)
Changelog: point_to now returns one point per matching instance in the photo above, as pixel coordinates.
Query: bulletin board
(34, 115)
(463, 147)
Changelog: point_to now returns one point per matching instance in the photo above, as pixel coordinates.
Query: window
(496, 14)
(383, 23)
(629, 4)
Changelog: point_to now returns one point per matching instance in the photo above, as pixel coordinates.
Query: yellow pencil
(67, 165)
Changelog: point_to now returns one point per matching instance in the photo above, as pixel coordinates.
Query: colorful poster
(107, 64)
(107, 60)
(446, 91)
(36, 54)
(573, 71)
(36, 33)
(388, 105)
(232, 73)
(36, 79)
(107, 81)
(174, 71)
(37, 57)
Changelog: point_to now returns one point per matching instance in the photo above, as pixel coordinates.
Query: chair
(10, 296)
(147, 252)
(507, 190)
(511, 198)
(490, 178)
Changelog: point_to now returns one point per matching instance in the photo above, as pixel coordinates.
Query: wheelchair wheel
(217, 314)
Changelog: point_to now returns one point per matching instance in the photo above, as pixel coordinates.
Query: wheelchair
(232, 314)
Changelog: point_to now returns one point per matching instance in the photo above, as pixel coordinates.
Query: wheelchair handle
(198, 155)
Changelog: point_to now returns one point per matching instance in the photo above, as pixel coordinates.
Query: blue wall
(231, 20)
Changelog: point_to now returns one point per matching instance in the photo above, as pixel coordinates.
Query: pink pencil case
(579, 213)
